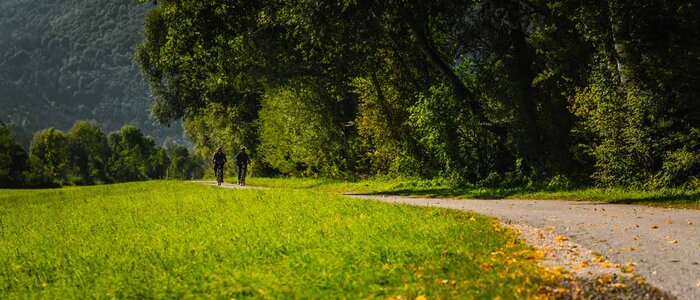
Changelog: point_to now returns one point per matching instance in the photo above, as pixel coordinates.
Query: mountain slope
(73, 59)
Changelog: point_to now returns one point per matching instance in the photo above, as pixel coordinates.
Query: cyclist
(219, 160)
(242, 161)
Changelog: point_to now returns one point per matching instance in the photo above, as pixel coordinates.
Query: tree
(89, 151)
(638, 104)
(131, 152)
(474, 90)
(184, 165)
(13, 160)
(157, 164)
(300, 138)
(49, 156)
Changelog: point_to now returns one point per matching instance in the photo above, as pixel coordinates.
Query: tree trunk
(520, 70)
(426, 46)
(623, 57)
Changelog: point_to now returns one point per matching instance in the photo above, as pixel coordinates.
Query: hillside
(66, 60)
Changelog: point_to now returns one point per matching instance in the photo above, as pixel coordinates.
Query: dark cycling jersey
(242, 159)
(219, 158)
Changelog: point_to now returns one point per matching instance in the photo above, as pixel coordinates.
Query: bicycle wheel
(243, 171)
(219, 176)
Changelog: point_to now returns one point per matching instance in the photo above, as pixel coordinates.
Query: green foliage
(13, 159)
(491, 92)
(157, 165)
(681, 167)
(134, 155)
(186, 240)
(387, 139)
(638, 105)
(230, 127)
(85, 156)
(49, 156)
(298, 136)
(375, 124)
(447, 128)
(89, 152)
(184, 165)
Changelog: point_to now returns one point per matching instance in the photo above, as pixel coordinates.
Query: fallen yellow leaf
(599, 259)
(619, 285)
(421, 297)
(560, 238)
(673, 242)
(580, 266)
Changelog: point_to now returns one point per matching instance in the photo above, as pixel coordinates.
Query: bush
(680, 167)
(559, 182)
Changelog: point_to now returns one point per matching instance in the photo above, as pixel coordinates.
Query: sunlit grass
(186, 240)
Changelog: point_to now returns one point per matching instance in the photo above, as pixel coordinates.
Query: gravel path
(227, 185)
(661, 245)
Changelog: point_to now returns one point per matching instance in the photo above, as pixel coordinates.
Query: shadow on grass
(472, 193)
(685, 198)
(664, 198)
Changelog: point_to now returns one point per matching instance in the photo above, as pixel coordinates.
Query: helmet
(218, 149)
(243, 149)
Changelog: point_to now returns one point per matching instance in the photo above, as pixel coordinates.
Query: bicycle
(241, 175)
(219, 173)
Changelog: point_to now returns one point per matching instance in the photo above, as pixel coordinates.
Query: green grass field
(677, 198)
(186, 240)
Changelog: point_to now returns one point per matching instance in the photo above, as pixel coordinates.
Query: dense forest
(73, 59)
(502, 92)
(85, 155)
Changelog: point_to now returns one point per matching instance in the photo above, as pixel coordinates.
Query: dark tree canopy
(497, 92)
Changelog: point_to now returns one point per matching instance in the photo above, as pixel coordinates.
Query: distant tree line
(85, 155)
(495, 92)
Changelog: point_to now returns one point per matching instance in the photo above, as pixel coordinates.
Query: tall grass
(185, 240)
